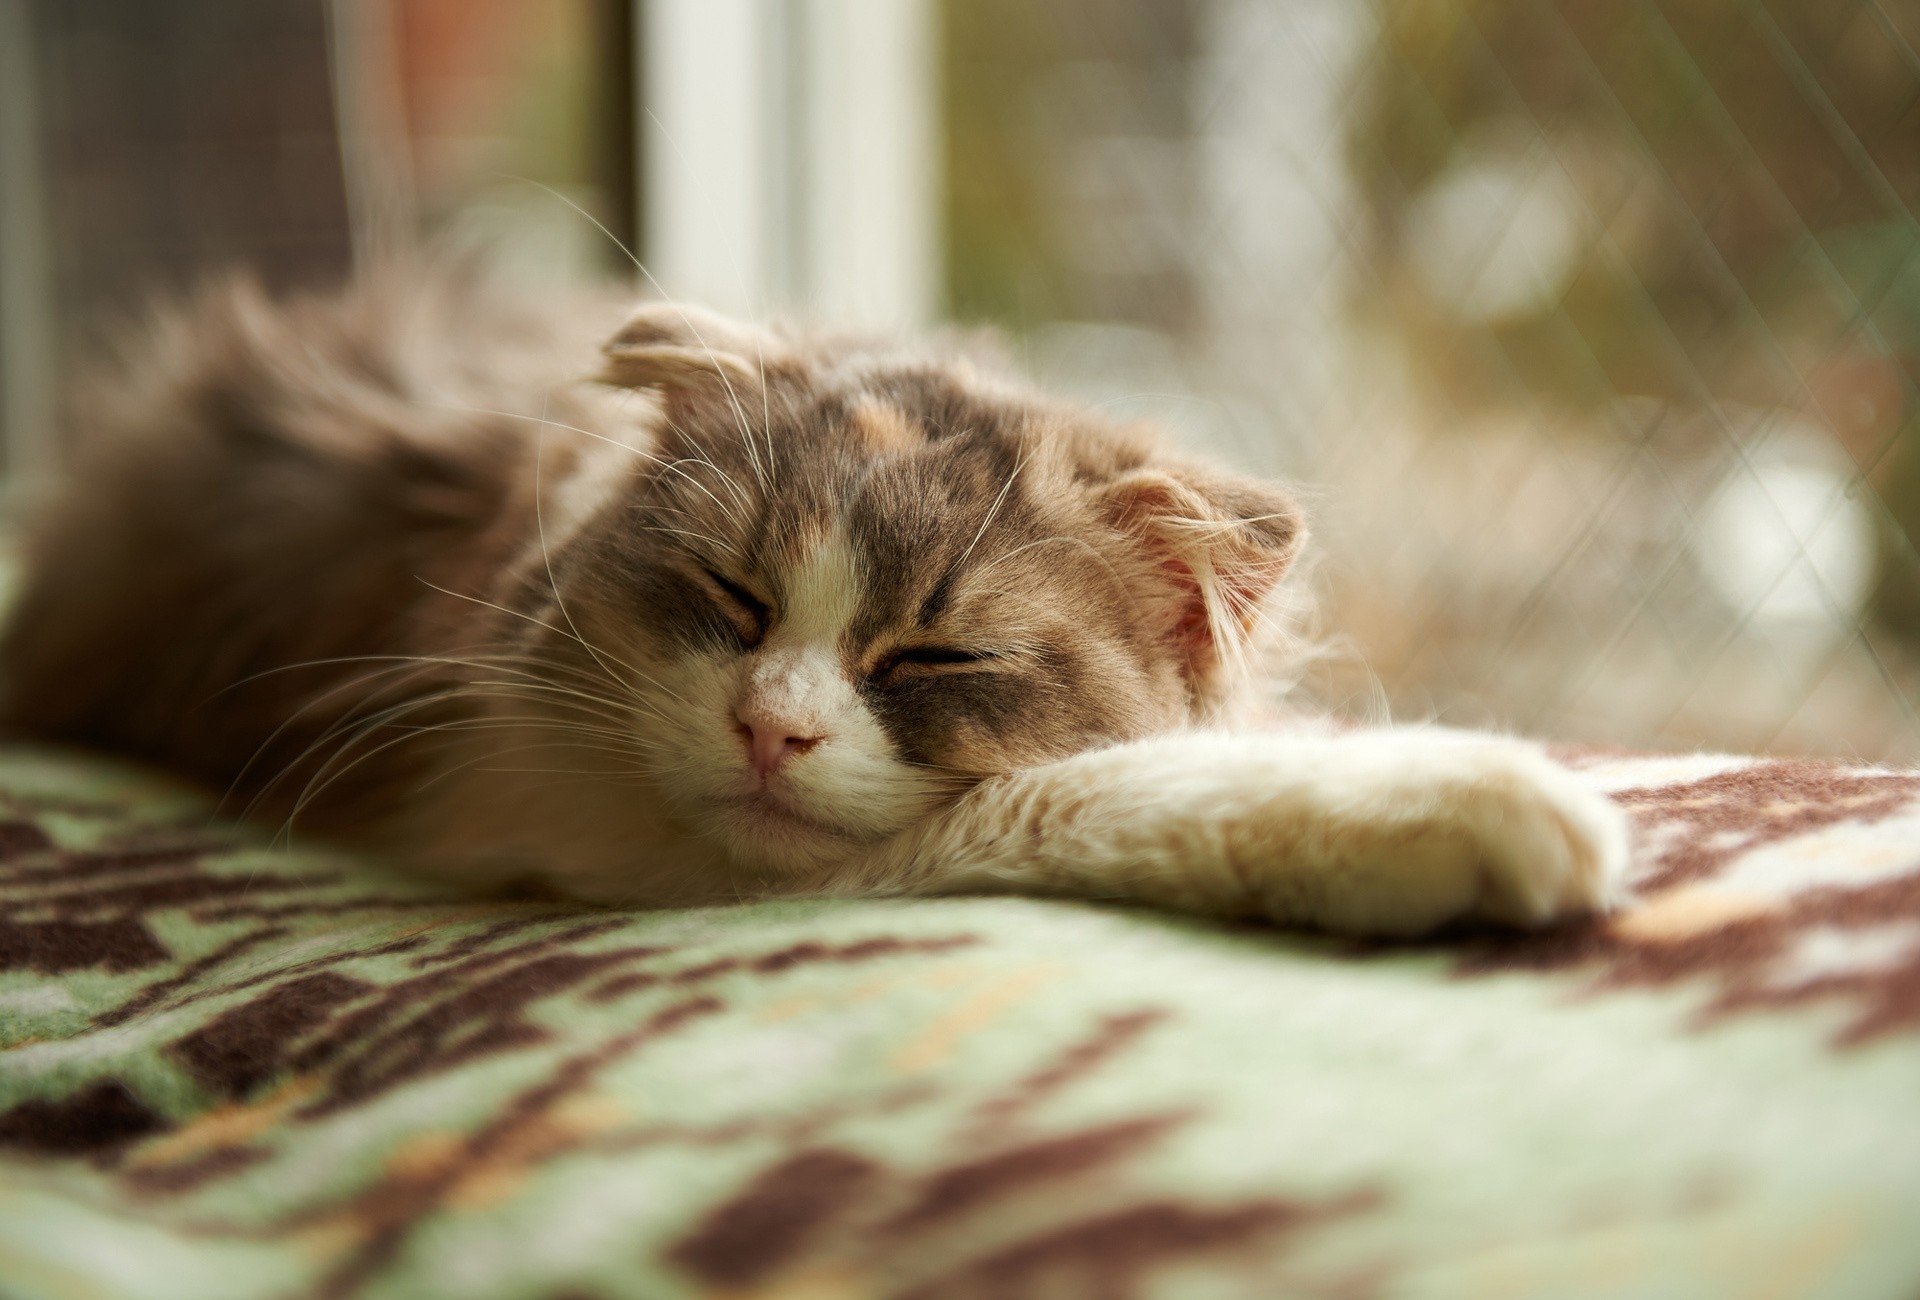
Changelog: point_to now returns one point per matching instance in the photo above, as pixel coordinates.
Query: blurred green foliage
(1748, 175)
(1026, 86)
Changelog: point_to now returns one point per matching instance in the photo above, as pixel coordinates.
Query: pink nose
(771, 742)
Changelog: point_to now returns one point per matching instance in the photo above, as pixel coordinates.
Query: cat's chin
(765, 830)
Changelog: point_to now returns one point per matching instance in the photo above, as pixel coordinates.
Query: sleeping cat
(746, 613)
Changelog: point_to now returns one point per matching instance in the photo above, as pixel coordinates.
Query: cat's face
(845, 587)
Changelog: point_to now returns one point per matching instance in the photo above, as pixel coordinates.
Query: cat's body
(749, 614)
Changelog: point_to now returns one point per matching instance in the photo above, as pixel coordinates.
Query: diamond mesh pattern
(1596, 326)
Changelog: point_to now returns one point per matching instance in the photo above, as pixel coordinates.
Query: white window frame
(788, 156)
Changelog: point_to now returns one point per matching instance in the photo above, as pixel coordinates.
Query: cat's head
(846, 584)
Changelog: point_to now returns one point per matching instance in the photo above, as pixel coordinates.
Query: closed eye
(756, 611)
(931, 657)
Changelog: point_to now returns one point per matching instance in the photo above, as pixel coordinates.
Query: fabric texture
(228, 1069)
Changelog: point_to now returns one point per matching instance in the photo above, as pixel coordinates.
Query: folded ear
(1224, 542)
(666, 346)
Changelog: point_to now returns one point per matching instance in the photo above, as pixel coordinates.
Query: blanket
(230, 1069)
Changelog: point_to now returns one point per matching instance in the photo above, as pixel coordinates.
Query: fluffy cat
(746, 613)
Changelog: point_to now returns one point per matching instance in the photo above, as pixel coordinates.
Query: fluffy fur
(742, 613)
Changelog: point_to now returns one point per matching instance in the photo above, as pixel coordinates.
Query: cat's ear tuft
(666, 346)
(1225, 543)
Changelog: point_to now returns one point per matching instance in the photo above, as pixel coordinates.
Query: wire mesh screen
(1595, 325)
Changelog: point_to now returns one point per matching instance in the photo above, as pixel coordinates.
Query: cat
(745, 612)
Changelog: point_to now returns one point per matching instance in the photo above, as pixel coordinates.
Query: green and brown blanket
(232, 1071)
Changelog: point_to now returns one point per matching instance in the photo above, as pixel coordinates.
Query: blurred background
(1594, 325)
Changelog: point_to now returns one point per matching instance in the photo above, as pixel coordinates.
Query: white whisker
(994, 509)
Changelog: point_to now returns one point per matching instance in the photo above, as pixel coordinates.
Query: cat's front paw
(1434, 827)
(1548, 847)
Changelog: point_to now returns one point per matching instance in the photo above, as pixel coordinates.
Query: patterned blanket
(233, 1070)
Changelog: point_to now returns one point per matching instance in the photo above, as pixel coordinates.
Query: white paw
(1549, 848)
(1434, 826)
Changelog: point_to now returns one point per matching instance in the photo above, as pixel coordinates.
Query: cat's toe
(1551, 849)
